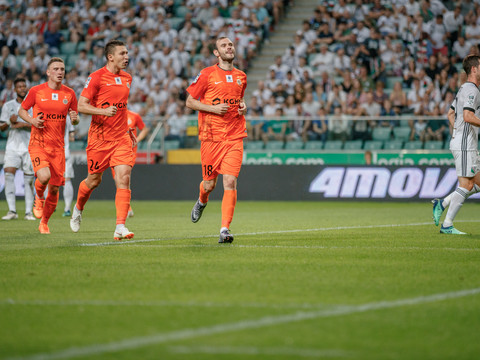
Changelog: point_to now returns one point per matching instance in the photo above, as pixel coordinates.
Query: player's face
(225, 50)
(56, 71)
(120, 57)
(21, 89)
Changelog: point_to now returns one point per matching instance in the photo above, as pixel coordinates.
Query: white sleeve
(4, 116)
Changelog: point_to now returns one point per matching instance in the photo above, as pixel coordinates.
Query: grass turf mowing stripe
(138, 342)
(357, 227)
(250, 350)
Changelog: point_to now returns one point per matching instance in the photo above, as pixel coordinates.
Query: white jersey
(68, 129)
(465, 135)
(18, 139)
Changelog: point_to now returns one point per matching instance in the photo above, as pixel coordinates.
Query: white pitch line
(126, 242)
(184, 334)
(250, 350)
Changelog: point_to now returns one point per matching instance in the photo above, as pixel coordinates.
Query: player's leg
(228, 207)
(50, 205)
(230, 168)
(43, 177)
(457, 199)
(29, 179)
(10, 193)
(130, 210)
(122, 201)
(439, 205)
(68, 187)
(209, 153)
(85, 189)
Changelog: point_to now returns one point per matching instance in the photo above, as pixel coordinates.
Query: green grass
(301, 280)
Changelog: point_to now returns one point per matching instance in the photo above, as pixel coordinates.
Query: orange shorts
(103, 154)
(224, 157)
(54, 159)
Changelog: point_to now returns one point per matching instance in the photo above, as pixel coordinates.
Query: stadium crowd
(350, 58)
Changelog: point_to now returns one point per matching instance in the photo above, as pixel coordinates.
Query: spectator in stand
(341, 62)
(325, 36)
(387, 110)
(336, 97)
(398, 97)
(276, 128)
(309, 104)
(323, 61)
(176, 125)
(289, 83)
(317, 127)
(361, 31)
(290, 59)
(280, 68)
(438, 35)
(461, 48)
(8, 64)
(379, 94)
(436, 128)
(453, 21)
(338, 126)
(362, 128)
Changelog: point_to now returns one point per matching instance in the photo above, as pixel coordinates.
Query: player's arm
(469, 117)
(3, 126)
(242, 107)
(197, 105)
(451, 117)
(143, 134)
(85, 107)
(3, 119)
(37, 121)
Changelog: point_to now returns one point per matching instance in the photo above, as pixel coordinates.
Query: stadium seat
(433, 145)
(381, 133)
(174, 22)
(402, 133)
(66, 34)
(71, 61)
(391, 80)
(181, 11)
(254, 145)
(3, 144)
(76, 145)
(373, 145)
(413, 145)
(171, 144)
(294, 145)
(393, 145)
(353, 145)
(333, 145)
(314, 145)
(68, 48)
(274, 145)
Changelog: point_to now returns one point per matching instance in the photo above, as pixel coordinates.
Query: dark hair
(469, 62)
(218, 39)
(17, 80)
(55, 59)
(110, 47)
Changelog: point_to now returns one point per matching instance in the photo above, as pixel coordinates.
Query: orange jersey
(104, 88)
(134, 121)
(54, 104)
(214, 86)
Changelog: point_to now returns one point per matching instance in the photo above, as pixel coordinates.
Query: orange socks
(228, 207)
(84, 193)
(203, 197)
(122, 203)
(40, 188)
(50, 204)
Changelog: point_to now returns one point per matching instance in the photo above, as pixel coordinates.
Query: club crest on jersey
(196, 79)
(87, 82)
(65, 101)
(118, 81)
(229, 78)
(128, 85)
(54, 96)
(239, 82)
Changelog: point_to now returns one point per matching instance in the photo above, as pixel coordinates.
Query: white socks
(10, 191)
(29, 180)
(457, 198)
(68, 194)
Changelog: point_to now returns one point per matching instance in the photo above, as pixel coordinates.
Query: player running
(16, 152)
(52, 102)
(217, 94)
(464, 118)
(105, 97)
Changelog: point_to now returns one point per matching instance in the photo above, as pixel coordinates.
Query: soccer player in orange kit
(52, 102)
(110, 144)
(217, 94)
(135, 121)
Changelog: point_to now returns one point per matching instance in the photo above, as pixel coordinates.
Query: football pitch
(302, 280)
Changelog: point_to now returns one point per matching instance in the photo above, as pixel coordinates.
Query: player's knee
(208, 186)
(53, 190)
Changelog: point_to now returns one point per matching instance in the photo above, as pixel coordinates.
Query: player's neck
(54, 85)
(473, 79)
(224, 65)
(113, 69)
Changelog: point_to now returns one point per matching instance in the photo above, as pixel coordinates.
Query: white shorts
(69, 168)
(466, 162)
(18, 160)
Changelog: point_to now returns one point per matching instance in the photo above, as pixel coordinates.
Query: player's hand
(242, 108)
(110, 111)
(73, 116)
(133, 137)
(13, 119)
(220, 109)
(38, 121)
